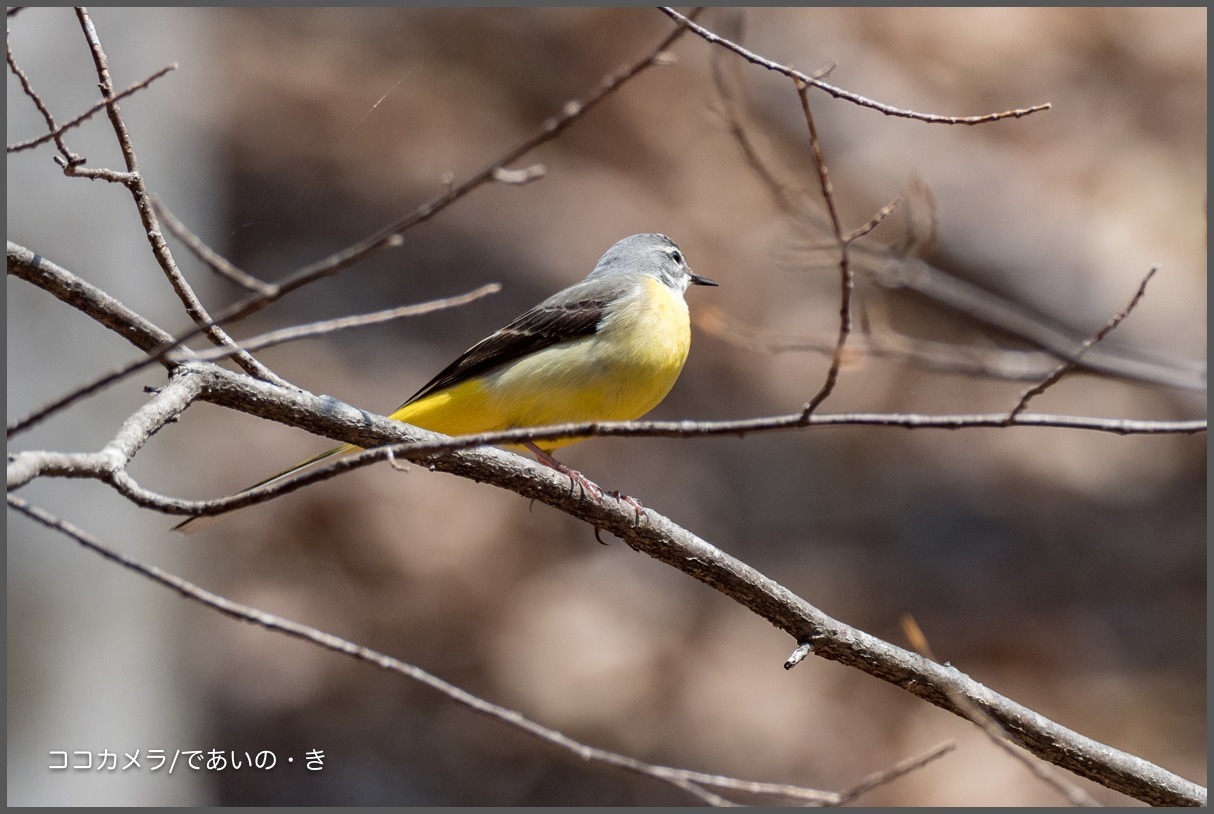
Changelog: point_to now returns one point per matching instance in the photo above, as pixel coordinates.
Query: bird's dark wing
(547, 324)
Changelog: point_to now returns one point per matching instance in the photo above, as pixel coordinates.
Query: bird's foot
(631, 501)
(575, 478)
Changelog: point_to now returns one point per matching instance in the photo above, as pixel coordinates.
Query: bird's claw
(631, 501)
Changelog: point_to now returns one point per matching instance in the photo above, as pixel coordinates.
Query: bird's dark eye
(677, 257)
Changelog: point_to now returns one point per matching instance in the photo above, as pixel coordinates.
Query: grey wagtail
(606, 349)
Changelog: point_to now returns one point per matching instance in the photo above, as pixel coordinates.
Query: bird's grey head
(653, 255)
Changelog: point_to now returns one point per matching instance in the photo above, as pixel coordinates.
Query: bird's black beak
(696, 279)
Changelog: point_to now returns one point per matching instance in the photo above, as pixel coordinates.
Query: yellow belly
(617, 374)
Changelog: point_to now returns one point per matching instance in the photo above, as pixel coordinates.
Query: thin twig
(995, 731)
(846, 281)
(217, 262)
(88, 114)
(839, 93)
(785, 198)
(910, 421)
(70, 157)
(873, 222)
(941, 357)
(322, 327)
(900, 769)
(1071, 363)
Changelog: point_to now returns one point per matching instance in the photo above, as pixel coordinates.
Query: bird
(607, 348)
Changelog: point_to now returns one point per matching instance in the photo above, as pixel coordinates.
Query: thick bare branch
(86, 297)
(108, 465)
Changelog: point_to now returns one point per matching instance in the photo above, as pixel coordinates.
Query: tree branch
(846, 281)
(1071, 363)
(840, 93)
(86, 298)
(690, 781)
(133, 181)
(658, 537)
(54, 134)
(896, 270)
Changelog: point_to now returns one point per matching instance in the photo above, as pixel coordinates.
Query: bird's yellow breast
(618, 373)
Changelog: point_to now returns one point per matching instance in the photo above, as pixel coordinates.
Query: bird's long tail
(195, 524)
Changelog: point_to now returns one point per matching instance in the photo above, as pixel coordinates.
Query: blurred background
(1063, 569)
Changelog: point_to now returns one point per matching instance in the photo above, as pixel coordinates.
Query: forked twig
(213, 259)
(57, 132)
(28, 89)
(1073, 362)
